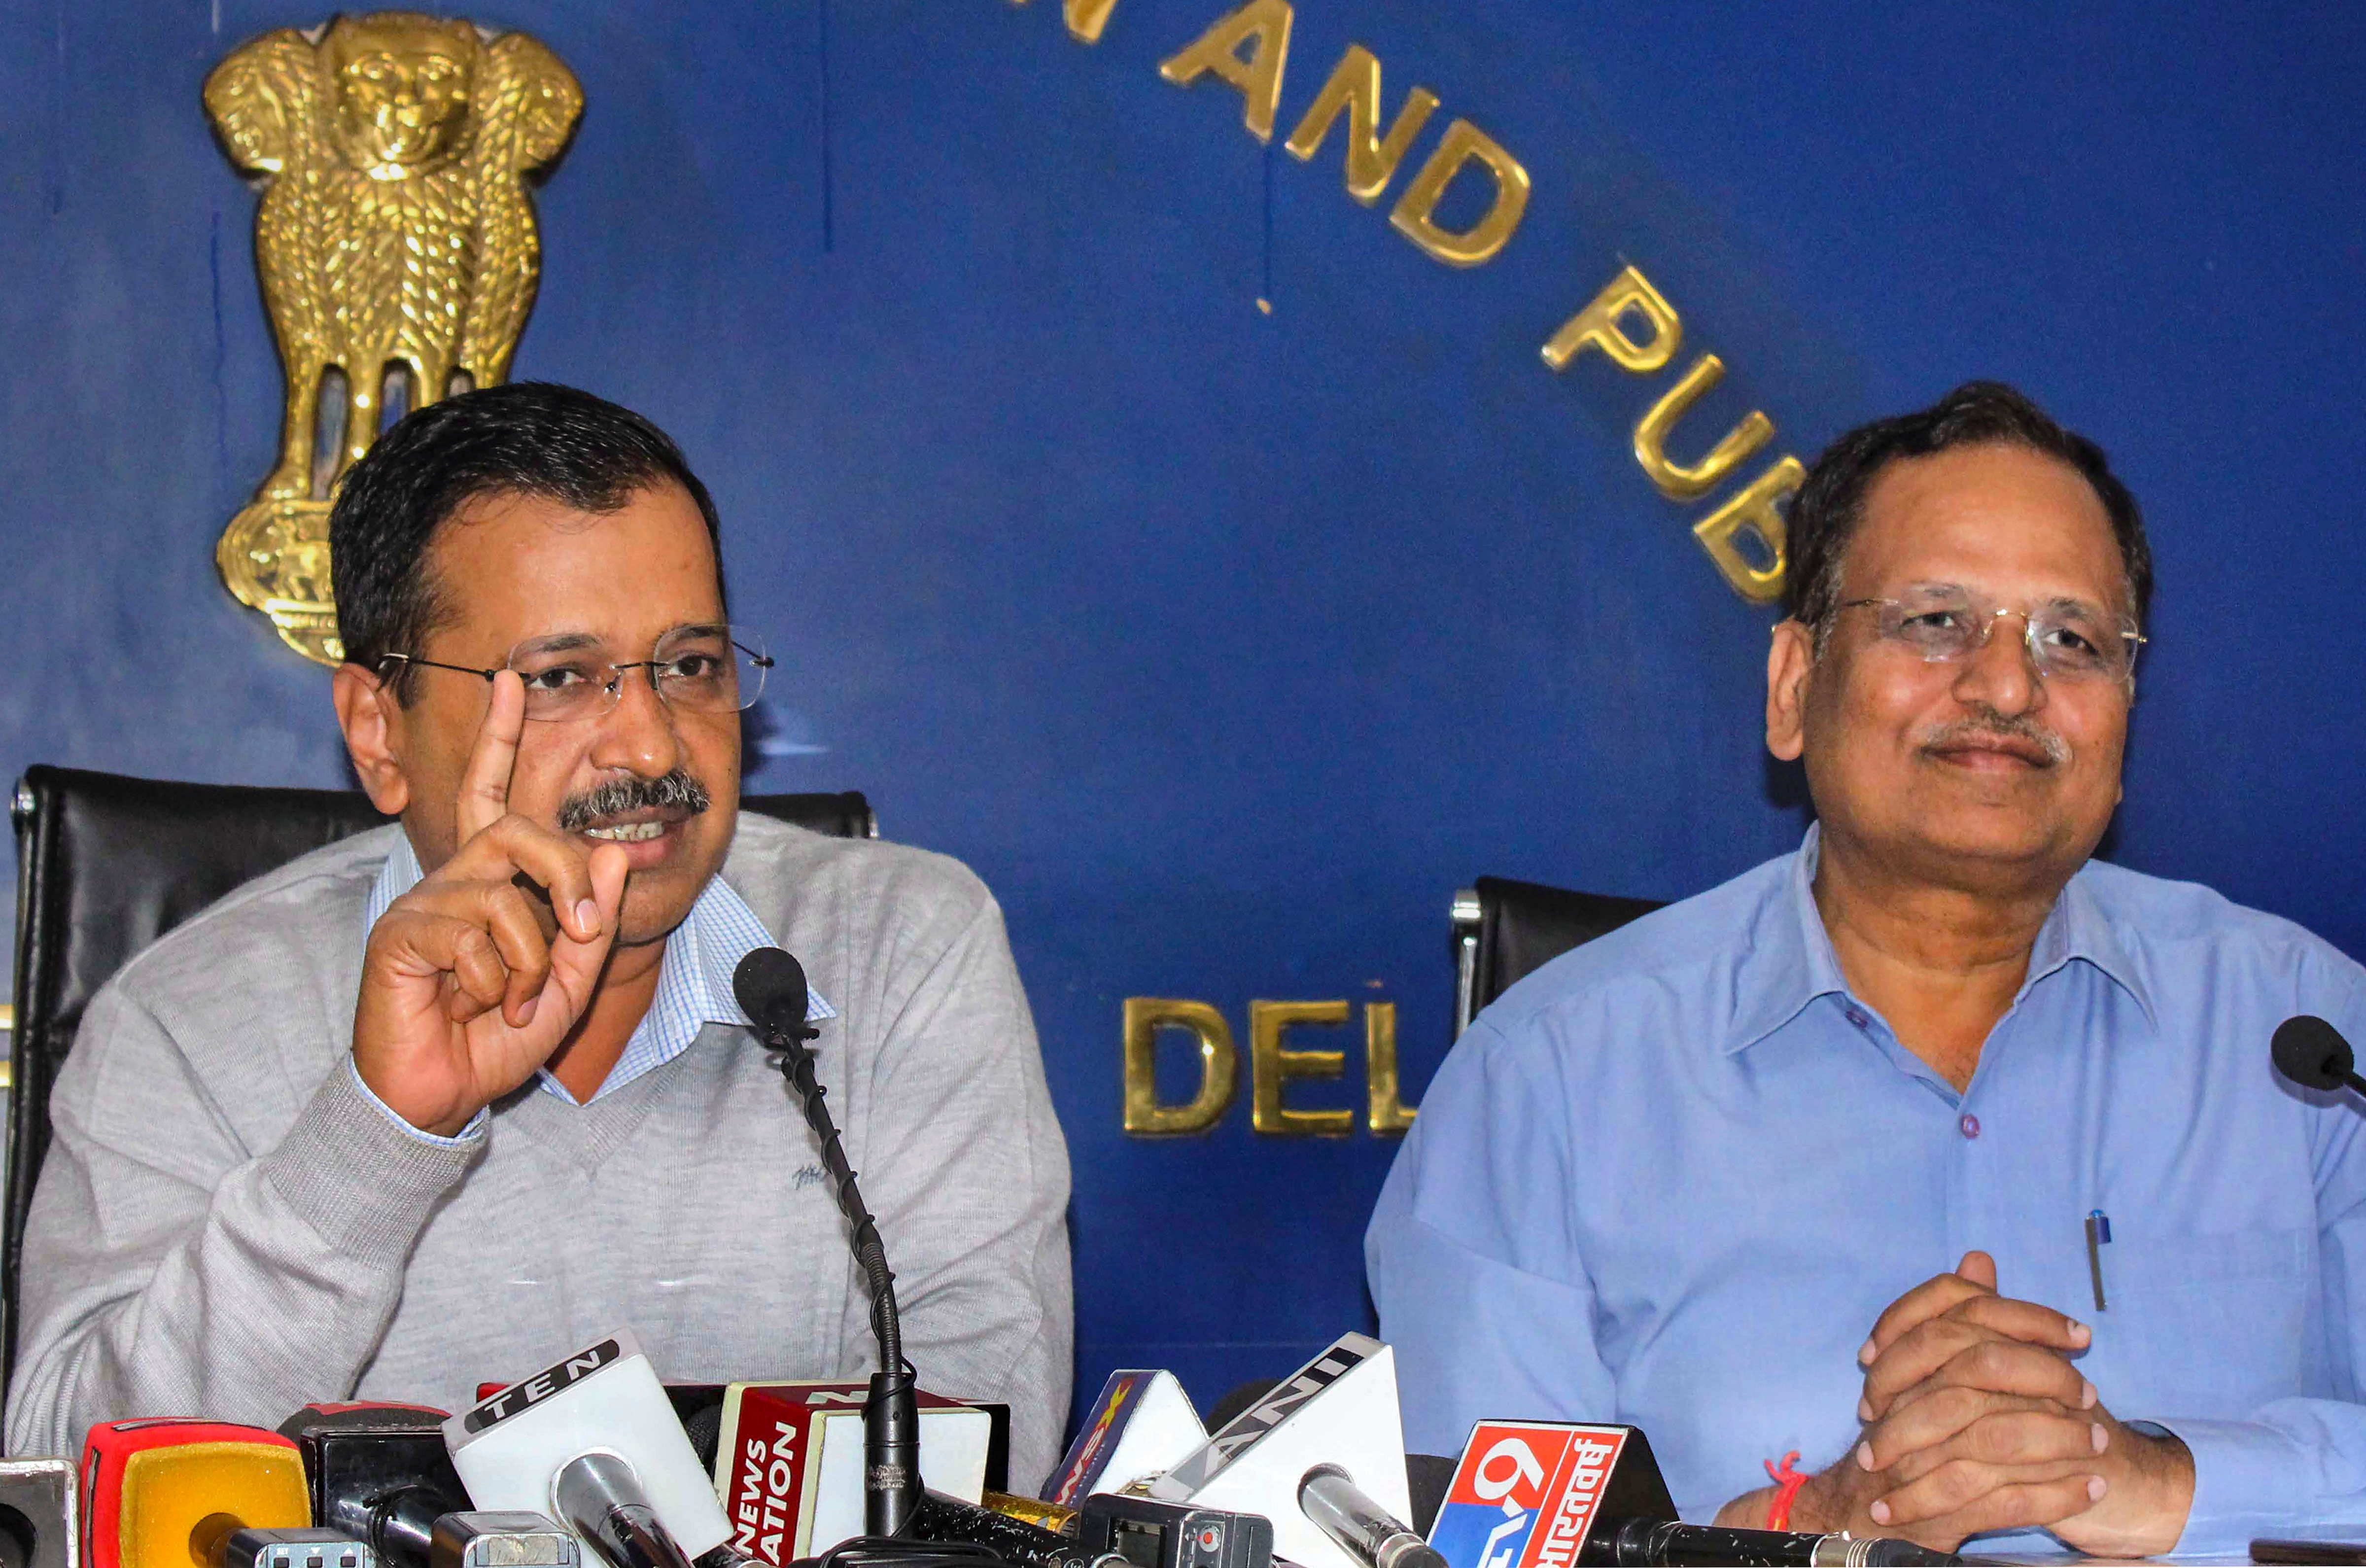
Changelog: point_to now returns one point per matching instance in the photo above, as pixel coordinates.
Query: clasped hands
(1975, 1419)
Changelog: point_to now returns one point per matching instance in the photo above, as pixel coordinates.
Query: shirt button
(1858, 1016)
(1970, 1125)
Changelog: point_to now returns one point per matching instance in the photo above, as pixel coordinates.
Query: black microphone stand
(891, 1415)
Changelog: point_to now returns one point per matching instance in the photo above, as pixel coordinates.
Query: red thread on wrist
(1787, 1483)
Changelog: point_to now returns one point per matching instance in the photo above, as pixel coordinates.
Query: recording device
(379, 1474)
(1147, 1533)
(1553, 1495)
(501, 1540)
(948, 1521)
(769, 986)
(39, 1526)
(160, 1491)
(2312, 1053)
(1340, 1409)
(1366, 1531)
(1142, 1425)
(280, 1549)
(595, 1442)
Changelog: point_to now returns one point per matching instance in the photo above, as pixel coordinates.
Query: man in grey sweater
(441, 1102)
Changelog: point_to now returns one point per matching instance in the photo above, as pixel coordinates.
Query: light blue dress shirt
(1672, 1178)
(693, 982)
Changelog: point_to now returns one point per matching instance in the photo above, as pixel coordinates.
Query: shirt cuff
(2247, 1481)
(365, 1180)
(474, 1128)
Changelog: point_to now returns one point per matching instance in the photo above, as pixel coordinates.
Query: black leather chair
(1504, 931)
(106, 864)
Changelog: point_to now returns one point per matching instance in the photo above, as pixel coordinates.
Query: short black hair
(520, 438)
(1825, 513)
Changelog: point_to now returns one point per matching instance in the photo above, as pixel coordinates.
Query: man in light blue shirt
(1810, 1162)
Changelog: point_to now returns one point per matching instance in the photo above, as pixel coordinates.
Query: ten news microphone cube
(38, 1523)
(148, 1484)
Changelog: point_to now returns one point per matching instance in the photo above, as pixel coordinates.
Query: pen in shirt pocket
(2098, 1236)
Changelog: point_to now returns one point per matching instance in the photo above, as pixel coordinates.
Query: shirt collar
(1791, 961)
(693, 982)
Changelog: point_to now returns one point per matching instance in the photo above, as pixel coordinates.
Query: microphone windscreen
(769, 985)
(2312, 1052)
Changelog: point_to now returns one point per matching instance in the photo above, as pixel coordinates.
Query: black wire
(795, 1060)
(856, 1552)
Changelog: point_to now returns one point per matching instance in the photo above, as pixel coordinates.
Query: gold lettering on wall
(1354, 88)
(1387, 1113)
(1682, 481)
(1219, 1066)
(1086, 18)
(1462, 144)
(1600, 326)
(1271, 1065)
(1753, 511)
(1266, 24)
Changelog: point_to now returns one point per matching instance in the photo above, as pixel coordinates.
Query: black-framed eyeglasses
(571, 675)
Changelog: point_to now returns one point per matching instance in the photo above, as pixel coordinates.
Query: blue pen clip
(2098, 1236)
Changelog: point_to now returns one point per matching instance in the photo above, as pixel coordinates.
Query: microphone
(595, 1441)
(1654, 1543)
(500, 1540)
(1142, 1425)
(1339, 1409)
(161, 1492)
(2312, 1053)
(38, 1527)
(1365, 1531)
(769, 986)
(379, 1474)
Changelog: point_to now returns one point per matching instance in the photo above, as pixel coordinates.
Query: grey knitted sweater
(226, 1226)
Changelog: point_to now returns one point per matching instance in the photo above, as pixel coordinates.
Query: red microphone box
(1529, 1494)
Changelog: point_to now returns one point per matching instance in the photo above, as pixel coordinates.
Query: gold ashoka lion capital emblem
(395, 235)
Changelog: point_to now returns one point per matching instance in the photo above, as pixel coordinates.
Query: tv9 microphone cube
(149, 1485)
(38, 1524)
(475, 1540)
(603, 1400)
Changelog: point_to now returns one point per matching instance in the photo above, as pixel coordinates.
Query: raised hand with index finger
(470, 982)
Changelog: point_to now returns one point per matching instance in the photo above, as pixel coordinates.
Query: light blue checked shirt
(694, 983)
(1672, 1177)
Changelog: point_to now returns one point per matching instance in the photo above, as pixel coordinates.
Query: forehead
(2002, 519)
(506, 568)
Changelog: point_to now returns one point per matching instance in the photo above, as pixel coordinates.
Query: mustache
(1989, 725)
(677, 790)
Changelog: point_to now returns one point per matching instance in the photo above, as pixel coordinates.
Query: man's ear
(1790, 658)
(372, 721)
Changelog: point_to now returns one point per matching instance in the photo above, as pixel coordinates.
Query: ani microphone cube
(151, 1483)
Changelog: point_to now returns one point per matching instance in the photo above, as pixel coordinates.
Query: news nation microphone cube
(1340, 1409)
(38, 1525)
(150, 1485)
(1530, 1493)
(603, 1400)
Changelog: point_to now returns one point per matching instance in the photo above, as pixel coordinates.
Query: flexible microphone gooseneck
(2312, 1053)
(771, 987)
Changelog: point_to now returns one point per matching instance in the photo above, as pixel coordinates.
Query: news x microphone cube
(605, 1398)
(378, 1473)
(502, 1540)
(38, 1523)
(148, 1484)
(1536, 1494)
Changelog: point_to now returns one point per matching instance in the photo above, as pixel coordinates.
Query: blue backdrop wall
(1153, 526)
